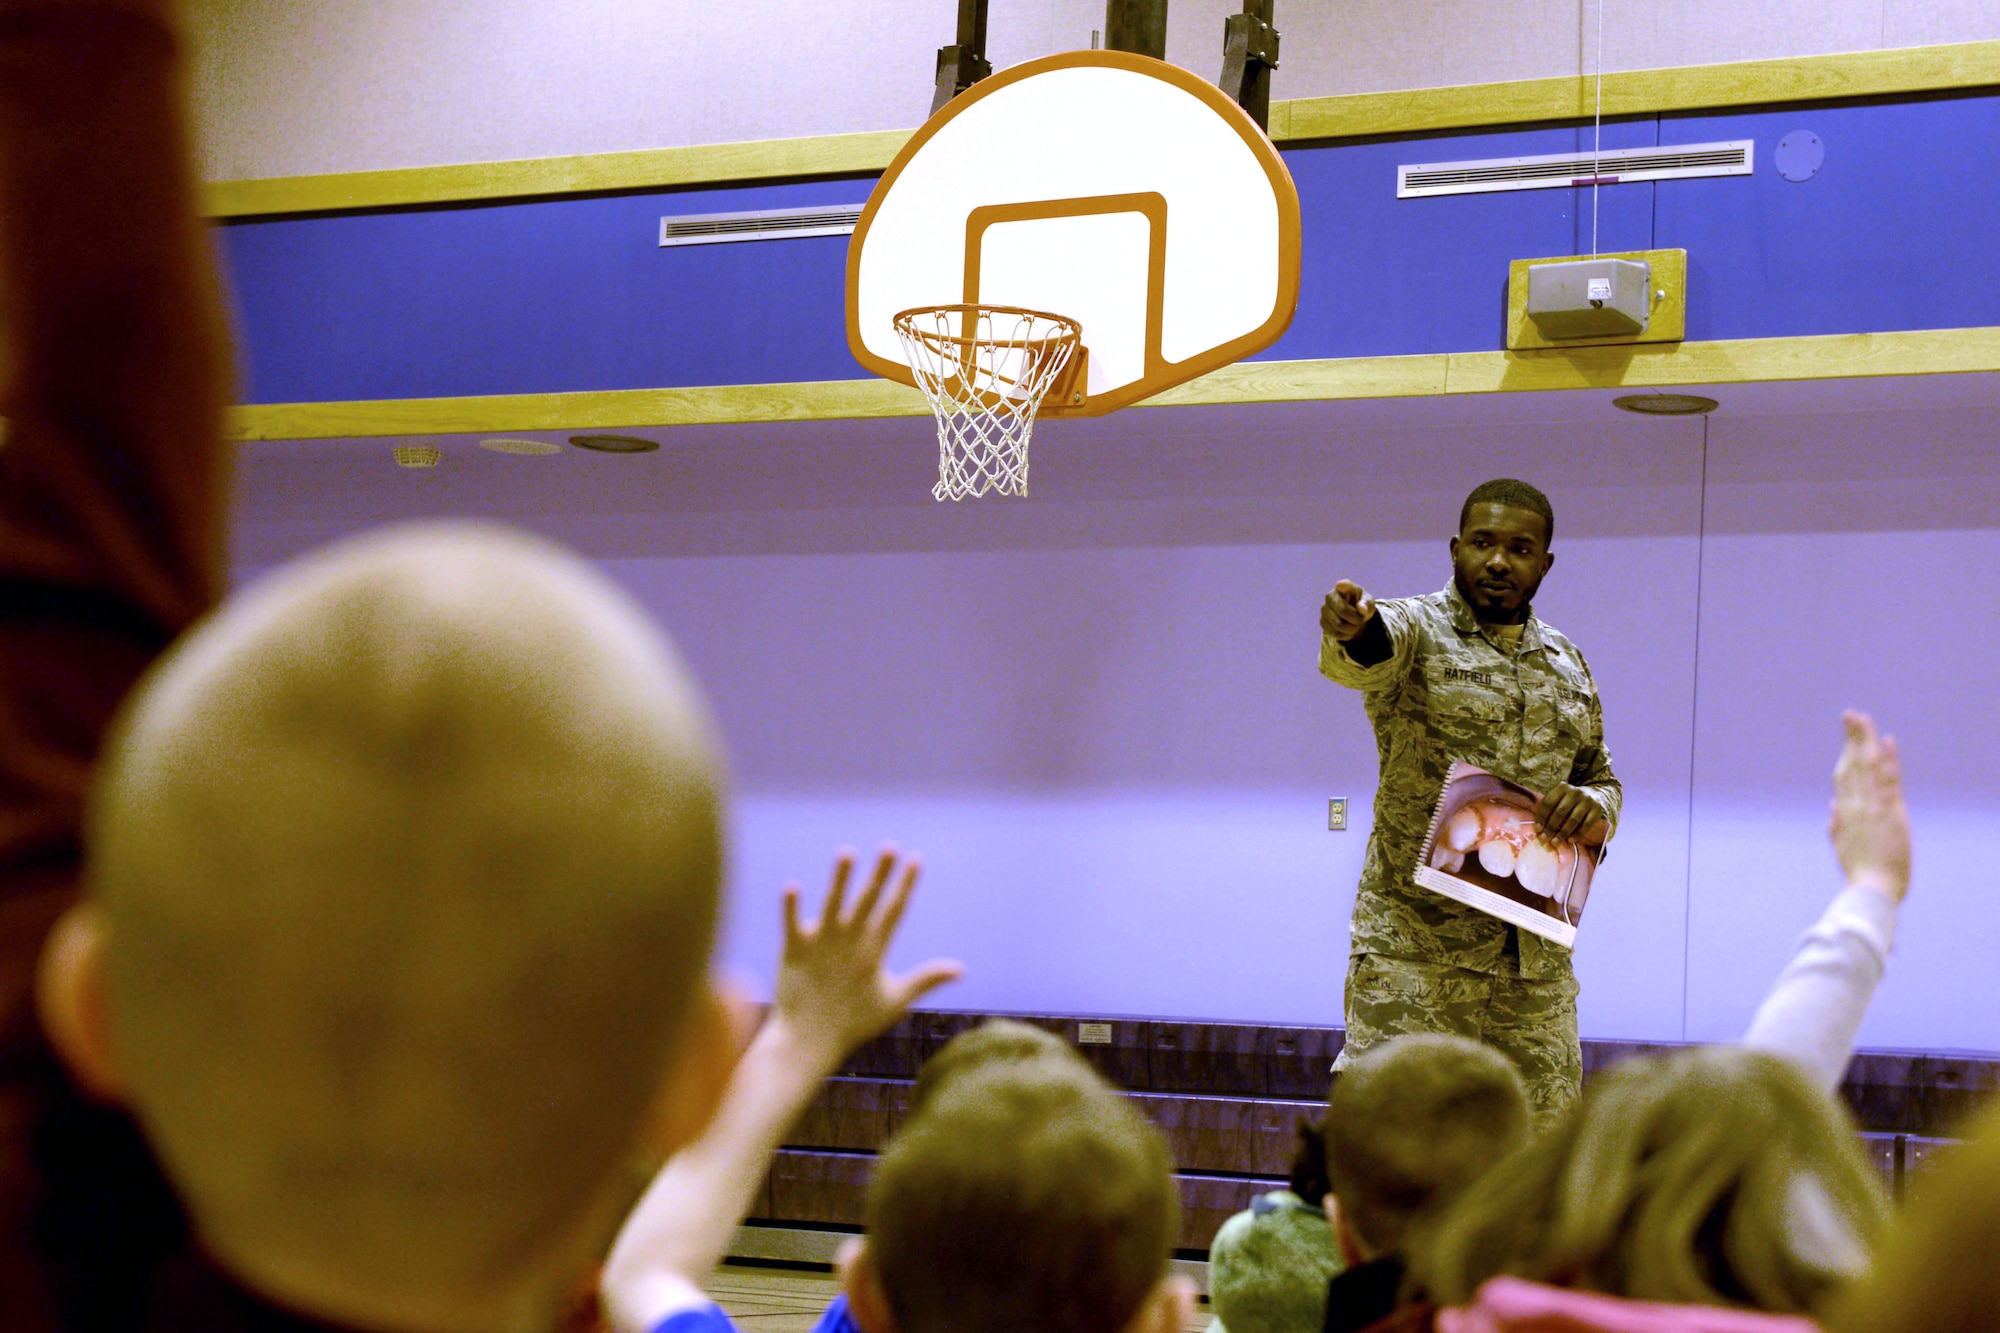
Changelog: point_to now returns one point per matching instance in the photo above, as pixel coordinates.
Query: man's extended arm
(1358, 647)
(1815, 1006)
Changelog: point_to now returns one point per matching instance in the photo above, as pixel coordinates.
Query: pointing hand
(1346, 611)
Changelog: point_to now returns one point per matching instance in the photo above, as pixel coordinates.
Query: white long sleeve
(1815, 1006)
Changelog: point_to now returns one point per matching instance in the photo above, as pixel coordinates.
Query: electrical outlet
(1336, 815)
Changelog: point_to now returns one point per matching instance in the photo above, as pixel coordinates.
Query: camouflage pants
(1532, 1022)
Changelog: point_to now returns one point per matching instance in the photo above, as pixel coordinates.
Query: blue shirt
(701, 1319)
(836, 1319)
(711, 1319)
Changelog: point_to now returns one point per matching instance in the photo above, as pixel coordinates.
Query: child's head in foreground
(1025, 1194)
(1409, 1125)
(403, 877)
(1717, 1176)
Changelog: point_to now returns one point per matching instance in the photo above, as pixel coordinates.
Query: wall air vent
(771, 224)
(1613, 166)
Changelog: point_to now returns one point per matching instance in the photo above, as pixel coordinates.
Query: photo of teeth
(1507, 842)
(1486, 850)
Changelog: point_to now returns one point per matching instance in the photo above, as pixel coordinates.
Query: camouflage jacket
(1447, 692)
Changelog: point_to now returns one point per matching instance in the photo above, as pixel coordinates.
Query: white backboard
(1120, 191)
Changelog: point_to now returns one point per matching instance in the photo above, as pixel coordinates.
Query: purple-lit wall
(1098, 715)
(1117, 762)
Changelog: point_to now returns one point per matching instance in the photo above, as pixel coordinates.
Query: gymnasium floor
(789, 1300)
(772, 1300)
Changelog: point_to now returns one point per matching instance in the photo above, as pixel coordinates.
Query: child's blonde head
(408, 858)
(1413, 1122)
(1028, 1195)
(1716, 1176)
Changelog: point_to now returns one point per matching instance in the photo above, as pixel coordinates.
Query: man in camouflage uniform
(1469, 673)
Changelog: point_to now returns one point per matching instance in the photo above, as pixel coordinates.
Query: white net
(985, 370)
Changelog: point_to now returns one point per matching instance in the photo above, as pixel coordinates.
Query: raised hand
(1346, 610)
(1868, 821)
(832, 995)
(833, 992)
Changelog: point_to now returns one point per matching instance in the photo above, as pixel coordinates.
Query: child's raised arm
(833, 993)
(1816, 1005)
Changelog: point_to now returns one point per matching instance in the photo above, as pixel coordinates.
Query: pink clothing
(1512, 1305)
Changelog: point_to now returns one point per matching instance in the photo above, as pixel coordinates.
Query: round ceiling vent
(1666, 404)
(522, 448)
(417, 455)
(615, 444)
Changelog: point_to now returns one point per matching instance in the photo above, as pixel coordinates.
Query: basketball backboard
(1116, 190)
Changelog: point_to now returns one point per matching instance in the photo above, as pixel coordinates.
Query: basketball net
(986, 370)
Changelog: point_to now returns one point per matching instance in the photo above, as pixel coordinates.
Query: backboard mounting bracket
(964, 63)
(1249, 54)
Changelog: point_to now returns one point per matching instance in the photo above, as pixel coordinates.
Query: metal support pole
(1138, 26)
(961, 65)
(1249, 54)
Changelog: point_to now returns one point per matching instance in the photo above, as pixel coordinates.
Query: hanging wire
(1694, 707)
(1597, 132)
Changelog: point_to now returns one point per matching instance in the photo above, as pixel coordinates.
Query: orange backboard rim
(1283, 308)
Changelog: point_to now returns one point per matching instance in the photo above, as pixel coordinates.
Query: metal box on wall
(1664, 289)
(1590, 298)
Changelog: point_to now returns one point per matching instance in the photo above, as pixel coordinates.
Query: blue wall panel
(551, 296)
(1894, 232)
(1383, 276)
(575, 294)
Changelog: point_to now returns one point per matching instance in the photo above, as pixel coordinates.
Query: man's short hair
(1028, 1196)
(1515, 495)
(409, 857)
(1413, 1122)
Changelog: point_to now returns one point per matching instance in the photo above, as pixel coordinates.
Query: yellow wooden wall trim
(1287, 381)
(652, 168)
(1690, 88)
(1639, 366)
(1638, 92)
(1738, 361)
(717, 405)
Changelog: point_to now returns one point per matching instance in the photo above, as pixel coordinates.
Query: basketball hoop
(986, 370)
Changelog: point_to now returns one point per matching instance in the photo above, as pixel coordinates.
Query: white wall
(283, 87)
